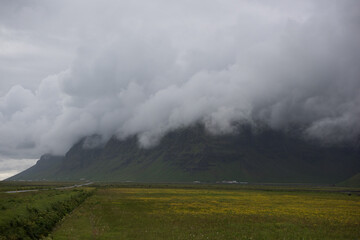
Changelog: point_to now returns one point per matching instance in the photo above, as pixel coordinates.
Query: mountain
(44, 168)
(353, 181)
(192, 154)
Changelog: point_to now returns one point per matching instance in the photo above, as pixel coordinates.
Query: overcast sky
(70, 69)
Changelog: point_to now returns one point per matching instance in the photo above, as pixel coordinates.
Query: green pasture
(198, 212)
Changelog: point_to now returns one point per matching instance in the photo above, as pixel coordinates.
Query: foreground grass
(169, 213)
(32, 215)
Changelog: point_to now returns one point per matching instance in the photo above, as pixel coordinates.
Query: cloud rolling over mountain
(146, 67)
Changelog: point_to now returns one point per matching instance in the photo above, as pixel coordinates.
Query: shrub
(37, 223)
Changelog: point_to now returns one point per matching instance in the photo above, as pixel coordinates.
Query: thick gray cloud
(145, 67)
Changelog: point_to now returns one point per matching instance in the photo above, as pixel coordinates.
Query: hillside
(353, 181)
(191, 154)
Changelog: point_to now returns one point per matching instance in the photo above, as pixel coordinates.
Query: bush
(37, 223)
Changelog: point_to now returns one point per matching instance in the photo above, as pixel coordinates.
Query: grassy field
(33, 215)
(170, 212)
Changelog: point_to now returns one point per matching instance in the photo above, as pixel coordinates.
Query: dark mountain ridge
(192, 154)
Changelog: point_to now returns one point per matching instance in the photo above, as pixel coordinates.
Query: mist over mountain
(137, 68)
(193, 154)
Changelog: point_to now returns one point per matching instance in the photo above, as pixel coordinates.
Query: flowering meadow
(214, 213)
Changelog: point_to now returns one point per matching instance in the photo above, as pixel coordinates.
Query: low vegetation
(175, 211)
(33, 215)
(146, 212)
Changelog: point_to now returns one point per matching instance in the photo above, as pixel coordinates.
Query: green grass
(32, 215)
(213, 212)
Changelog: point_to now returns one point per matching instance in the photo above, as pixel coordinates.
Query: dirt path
(59, 188)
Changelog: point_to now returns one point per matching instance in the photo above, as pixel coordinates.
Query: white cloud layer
(146, 67)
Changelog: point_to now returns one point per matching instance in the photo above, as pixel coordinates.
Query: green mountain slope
(354, 181)
(191, 154)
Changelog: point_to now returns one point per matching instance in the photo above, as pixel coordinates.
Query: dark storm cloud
(146, 67)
